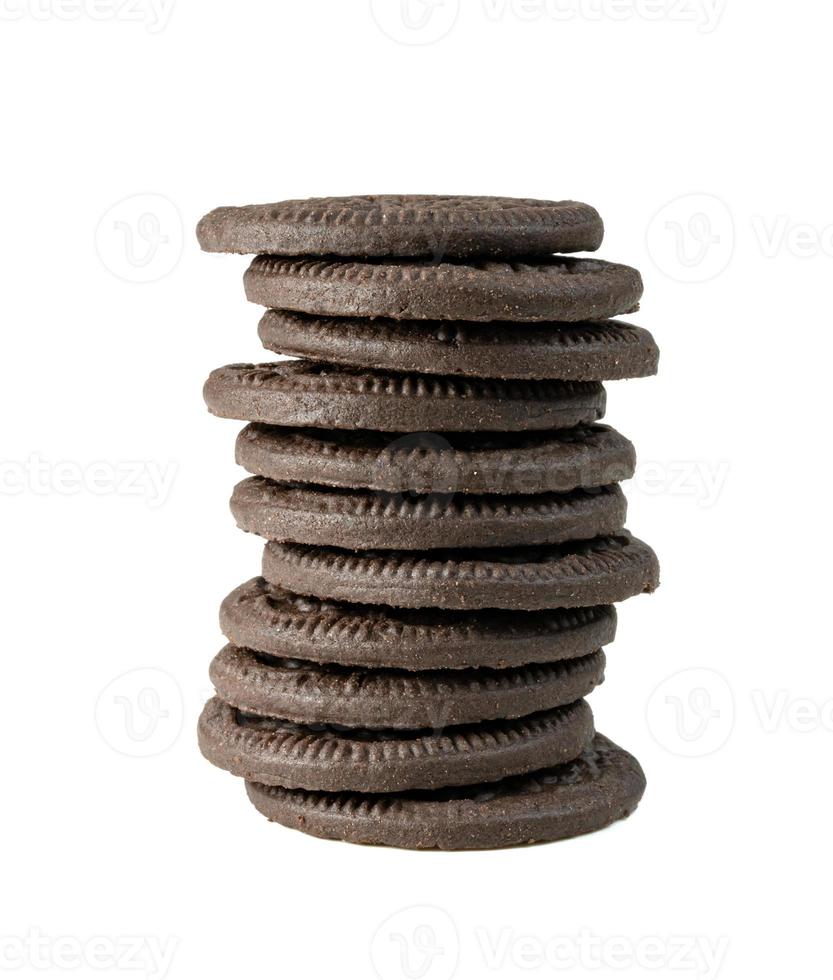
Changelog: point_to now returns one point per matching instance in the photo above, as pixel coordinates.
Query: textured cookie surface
(605, 351)
(581, 573)
(366, 519)
(554, 288)
(486, 462)
(260, 617)
(600, 787)
(309, 693)
(412, 225)
(305, 393)
(281, 753)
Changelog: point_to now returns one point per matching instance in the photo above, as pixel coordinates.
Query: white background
(116, 834)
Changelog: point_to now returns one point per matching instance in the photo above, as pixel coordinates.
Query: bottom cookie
(602, 786)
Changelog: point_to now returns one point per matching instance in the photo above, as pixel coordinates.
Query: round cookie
(414, 225)
(545, 289)
(487, 462)
(323, 757)
(305, 393)
(261, 617)
(309, 693)
(600, 787)
(580, 573)
(368, 519)
(606, 351)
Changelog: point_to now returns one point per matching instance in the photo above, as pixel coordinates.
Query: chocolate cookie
(366, 519)
(414, 225)
(309, 693)
(306, 393)
(554, 288)
(604, 351)
(485, 462)
(580, 573)
(323, 757)
(602, 786)
(264, 618)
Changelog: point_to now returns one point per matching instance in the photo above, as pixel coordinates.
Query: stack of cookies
(443, 522)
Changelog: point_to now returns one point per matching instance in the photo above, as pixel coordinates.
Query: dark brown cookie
(555, 288)
(602, 786)
(581, 573)
(367, 519)
(485, 462)
(414, 225)
(323, 757)
(305, 393)
(604, 351)
(261, 617)
(309, 693)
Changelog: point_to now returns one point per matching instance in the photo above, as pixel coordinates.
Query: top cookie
(404, 226)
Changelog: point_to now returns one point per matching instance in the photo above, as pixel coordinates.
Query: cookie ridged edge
(603, 786)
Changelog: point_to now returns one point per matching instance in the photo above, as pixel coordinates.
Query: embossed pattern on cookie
(263, 617)
(556, 460)
(397, 225)
(278, 752)
(307, 393)
(545, 289)
(603, 785)
(580, 573)
(367, 519)
(608, 350)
